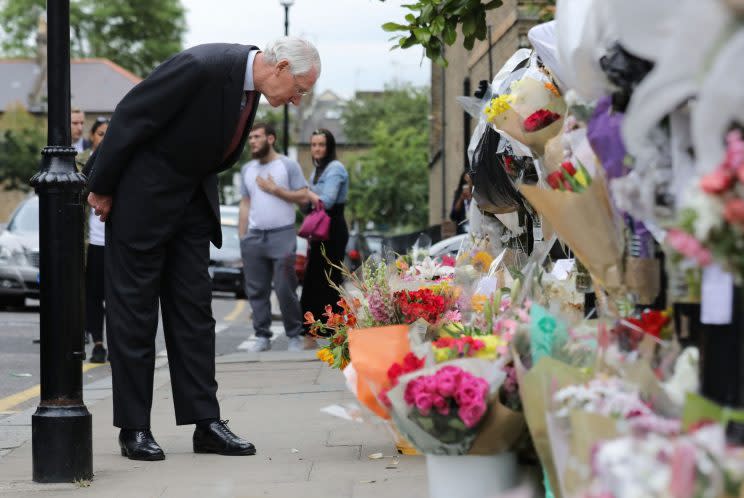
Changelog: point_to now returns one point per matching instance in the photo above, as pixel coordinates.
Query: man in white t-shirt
(271, 184)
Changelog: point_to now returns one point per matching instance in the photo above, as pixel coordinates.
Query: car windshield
(26, 218)
(230, 239)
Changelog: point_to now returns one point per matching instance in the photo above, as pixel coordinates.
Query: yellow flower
(478, 301)
(326, 356)
(581, 178)
(441, 354)
(492, 344)
(498, 106)
(482, 261)
(553, 89)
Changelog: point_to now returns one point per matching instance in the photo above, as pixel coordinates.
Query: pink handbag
(316, 225)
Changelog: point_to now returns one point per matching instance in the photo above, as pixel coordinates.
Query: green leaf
(450, 35)
(469, 42)
(422, 35)
(468, 26)
(408, 42)
(393, 26)
(493, 4)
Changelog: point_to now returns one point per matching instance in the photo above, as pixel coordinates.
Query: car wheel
(12, 301)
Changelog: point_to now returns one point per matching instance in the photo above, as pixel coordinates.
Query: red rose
(540, 119)
(734, 211)
(555, 179)
(717, 182)
(569, 167)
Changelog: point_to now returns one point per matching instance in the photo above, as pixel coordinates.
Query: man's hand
(101, 204)
(267, 184)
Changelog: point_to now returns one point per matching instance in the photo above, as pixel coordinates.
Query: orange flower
(553, 89)
(309, 318)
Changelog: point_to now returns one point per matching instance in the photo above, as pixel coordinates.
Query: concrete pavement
(273, 399)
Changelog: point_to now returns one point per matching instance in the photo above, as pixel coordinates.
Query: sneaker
(98, 355)
(261, 344)
(296, 344)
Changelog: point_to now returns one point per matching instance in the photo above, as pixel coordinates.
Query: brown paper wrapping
(643, 278)
(535, 388)
(500, 431)
(586, 222)
(586, 430)
(511, 123)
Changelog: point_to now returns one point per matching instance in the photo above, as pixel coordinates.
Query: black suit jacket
(167, 138)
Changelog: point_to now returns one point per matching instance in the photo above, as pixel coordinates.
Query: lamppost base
(62, 444)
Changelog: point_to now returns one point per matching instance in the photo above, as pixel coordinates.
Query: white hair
(301, 54)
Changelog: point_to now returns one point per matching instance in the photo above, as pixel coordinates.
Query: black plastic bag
(494, 188)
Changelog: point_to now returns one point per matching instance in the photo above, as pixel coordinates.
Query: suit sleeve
(145, 110)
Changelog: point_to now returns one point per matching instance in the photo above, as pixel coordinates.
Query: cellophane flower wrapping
(695, 465)
(453, 409)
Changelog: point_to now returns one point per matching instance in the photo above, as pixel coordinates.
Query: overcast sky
(354, 50)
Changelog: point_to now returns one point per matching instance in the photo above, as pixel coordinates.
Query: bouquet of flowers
(453, 409)
(696, 465)
(336, 330)
(530, 111)
(711, 223)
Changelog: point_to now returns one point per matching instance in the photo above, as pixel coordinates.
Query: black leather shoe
(218, 438)
(139, 445)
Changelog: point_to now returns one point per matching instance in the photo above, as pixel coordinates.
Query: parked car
(449, 246)
(356, 251)
(226, 263)
(19, 255)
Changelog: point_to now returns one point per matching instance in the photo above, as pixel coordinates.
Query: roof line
(88, 60)
(116, 67)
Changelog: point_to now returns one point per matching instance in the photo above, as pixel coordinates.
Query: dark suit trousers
(176, 274)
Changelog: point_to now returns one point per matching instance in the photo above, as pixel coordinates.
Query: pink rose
(688, 246)
(424, 402)
(446, 384)
(468, 393)
(412, 389)
(735, 149)
(456, 372)
(734, 211)
(441, 404)
(472, 414)
(717, 182)
(430, 384)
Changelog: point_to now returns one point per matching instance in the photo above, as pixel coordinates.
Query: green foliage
(22, 136)
(136, 34)
(433, 24)
(400, 108)
(389, 183)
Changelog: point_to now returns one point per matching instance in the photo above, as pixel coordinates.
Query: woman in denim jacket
(329, 183)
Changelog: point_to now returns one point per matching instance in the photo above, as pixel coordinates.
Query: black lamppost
(62, 442)
(285, 135)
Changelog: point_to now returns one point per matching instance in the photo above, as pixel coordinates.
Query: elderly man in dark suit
(154, 181)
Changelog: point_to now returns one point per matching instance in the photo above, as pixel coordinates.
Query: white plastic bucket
(471, 476)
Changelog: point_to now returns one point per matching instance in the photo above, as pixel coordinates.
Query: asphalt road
(19, 355)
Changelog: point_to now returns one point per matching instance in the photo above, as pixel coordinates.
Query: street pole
(62, 443)
(285, 134)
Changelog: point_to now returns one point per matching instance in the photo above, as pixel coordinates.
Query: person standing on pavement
(271, 184)
(329, 183)
(154, 181)
(94, 298)
(77, 129)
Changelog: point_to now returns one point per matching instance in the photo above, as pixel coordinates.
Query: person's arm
(145, 110)
(334, 178)
(245, 207)
(268, 185)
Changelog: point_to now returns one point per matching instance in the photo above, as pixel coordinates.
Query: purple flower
(603, 133)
